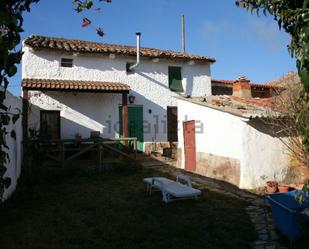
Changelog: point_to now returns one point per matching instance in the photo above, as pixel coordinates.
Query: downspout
(138, 45)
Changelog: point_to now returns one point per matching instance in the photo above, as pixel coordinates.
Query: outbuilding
(227, 137)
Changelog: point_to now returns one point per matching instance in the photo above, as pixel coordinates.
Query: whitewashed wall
(15, 147)
(265, 157)
(262, 156)
(217, 132)
(149, 84)
(80, 112)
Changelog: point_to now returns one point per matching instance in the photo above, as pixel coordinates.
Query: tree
(293, 17)
(11, 25)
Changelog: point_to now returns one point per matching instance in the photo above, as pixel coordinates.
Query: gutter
(138, 45)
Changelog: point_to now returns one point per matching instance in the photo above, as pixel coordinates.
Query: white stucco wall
(149, 84)
(262, 156)
(80, 112)
(265, 157)
(217, 132)
(15, 149)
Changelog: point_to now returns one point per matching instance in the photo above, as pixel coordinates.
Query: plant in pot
(78, 137)
(297, 186)
(271, 187)
(283, 187)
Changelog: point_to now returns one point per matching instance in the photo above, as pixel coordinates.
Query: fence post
(135, 148)
(62, 154)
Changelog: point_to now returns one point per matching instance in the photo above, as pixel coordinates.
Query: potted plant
(283, 187)
(271, 187)
(297, 186)
(78, 137)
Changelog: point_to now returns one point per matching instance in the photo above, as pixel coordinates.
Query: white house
(74, 87)
(226, 137)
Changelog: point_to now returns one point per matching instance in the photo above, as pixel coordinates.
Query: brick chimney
(242, 88)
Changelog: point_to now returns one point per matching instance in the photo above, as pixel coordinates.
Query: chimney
(242, 88)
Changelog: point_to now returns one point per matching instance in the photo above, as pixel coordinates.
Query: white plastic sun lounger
(172, 190)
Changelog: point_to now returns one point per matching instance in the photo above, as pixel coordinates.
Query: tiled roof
(73, 85)
(241, 107)
(264, 102)
(255, 85)
(42, 42)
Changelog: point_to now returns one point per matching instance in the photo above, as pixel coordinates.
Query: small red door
(189, 145)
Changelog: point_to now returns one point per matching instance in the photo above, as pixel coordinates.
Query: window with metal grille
(66, 62)
(175, 79)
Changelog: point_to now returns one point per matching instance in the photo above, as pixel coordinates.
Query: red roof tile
(73, 85)
(42, 42)
(255, 85)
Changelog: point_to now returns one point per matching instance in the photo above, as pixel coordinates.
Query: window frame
(66, 62)
(171, 78)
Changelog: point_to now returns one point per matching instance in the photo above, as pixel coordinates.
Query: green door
(135, 124)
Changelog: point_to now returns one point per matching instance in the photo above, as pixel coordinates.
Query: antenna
(183, 33)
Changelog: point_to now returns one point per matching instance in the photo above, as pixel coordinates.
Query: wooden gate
(189, 145)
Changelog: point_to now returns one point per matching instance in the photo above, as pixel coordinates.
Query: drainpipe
(138, 45)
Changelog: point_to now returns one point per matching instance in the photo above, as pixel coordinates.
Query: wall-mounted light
(131, 99)
(112, 56)
(155, 60)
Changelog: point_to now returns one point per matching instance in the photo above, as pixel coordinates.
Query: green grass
(83, 209)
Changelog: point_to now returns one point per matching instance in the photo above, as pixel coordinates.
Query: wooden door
(50, 124)
(172, 124)
(135, 124)
(189, 145)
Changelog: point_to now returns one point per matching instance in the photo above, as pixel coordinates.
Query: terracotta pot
(299, 186)
(78, 138)
(283, 188)
(271, 187)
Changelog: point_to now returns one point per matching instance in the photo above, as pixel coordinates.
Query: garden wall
(15, 148)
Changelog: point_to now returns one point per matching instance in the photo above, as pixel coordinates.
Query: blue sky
(243, 44)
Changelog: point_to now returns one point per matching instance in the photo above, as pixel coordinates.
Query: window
(175, 79)
(66, 62)
(50, 124)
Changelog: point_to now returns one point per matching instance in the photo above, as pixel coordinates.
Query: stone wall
(217, 167)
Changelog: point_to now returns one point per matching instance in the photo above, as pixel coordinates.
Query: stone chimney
(242, 88)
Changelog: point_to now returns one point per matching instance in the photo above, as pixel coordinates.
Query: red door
(189, 145)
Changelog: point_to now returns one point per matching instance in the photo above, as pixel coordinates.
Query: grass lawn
(83, 209)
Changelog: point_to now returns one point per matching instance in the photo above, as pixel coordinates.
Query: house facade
(75, 87)
(230, 138)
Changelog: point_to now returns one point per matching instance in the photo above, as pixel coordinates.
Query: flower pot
(299, 186)
(283, 188)
(271, 187)
(78, 138)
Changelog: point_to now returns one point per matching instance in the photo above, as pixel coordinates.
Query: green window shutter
(175, 79)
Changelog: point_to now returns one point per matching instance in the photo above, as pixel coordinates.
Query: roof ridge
(230, 82)
(38, 40)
